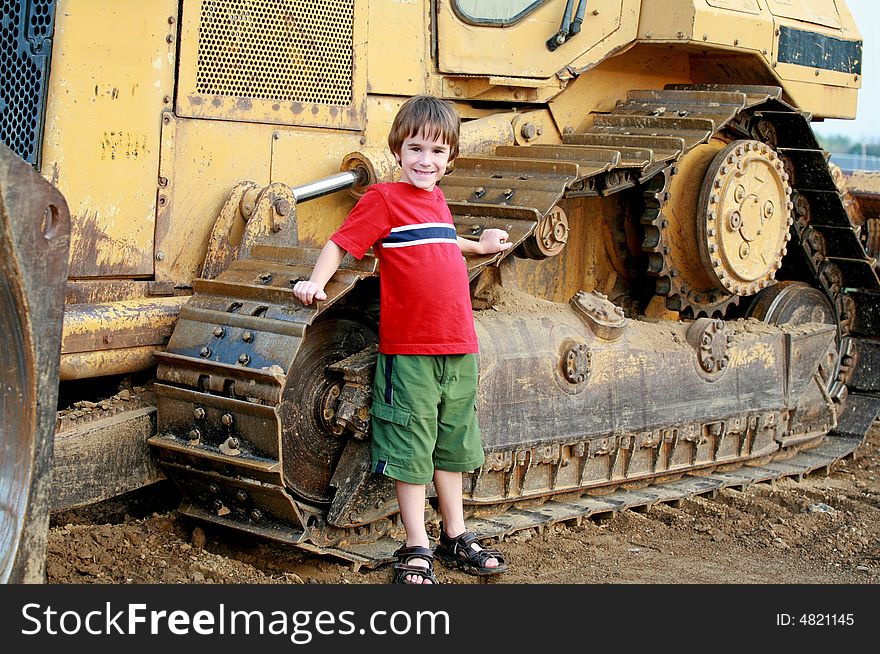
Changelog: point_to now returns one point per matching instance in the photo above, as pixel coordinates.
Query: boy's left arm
(491, 241)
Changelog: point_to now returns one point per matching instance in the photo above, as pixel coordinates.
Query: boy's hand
(494, 240)
(308, 291)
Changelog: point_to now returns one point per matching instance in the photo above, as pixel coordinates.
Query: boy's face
(423, 161)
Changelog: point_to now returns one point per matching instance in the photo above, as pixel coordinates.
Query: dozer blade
(34, 243)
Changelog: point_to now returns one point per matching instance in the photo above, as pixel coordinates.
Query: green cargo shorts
(424, 416)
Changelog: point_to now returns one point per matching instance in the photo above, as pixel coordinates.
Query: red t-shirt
(425, 302)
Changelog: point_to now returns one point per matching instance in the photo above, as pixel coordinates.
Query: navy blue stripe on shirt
(421, 234)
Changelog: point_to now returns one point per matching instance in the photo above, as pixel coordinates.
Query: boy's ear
(450, 166)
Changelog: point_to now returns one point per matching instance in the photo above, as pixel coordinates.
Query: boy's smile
(423, 161)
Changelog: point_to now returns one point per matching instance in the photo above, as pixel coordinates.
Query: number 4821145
(826, 619)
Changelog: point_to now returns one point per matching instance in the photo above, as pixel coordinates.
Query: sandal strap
(405, 554)
(460, 546)
(403, 567)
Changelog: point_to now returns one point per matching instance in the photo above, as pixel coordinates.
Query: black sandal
(403, 568)
(459, 553)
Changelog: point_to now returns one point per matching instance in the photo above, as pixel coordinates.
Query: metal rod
(327, 185)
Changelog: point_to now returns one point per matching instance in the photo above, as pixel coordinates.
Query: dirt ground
(821, 530)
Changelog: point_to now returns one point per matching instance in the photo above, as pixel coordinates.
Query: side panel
(811, 48)
(202, 161)
(112, 74)
(520, 50)
(397, 66)
(820, 12)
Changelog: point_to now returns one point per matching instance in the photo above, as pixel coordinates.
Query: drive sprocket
(719, 227)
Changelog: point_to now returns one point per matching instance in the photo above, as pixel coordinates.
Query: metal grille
(25, 51)
(283, 50)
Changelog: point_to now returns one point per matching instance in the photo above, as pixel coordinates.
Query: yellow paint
(302, 156)
(202, 161)
(84, 365)
(746, 27)
(520, 50)
(111, 71)
(403, 74)
(113, 324)
(600, 88)
(820, 12)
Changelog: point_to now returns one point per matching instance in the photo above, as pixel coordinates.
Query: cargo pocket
(390, 413)
(392, 437)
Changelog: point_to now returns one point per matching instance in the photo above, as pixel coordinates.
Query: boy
(424, 423)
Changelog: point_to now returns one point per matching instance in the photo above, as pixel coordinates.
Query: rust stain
(93, 251)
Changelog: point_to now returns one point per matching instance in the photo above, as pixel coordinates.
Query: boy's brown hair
(435, 118)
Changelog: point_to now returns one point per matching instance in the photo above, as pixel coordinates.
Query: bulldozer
(689, 304)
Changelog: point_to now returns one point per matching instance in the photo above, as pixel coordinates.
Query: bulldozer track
(223, 382)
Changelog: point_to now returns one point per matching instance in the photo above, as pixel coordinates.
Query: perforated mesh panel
(281, 50)
(25, 51)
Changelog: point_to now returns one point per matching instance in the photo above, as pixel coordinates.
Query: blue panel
(819, 51)
(26, 28)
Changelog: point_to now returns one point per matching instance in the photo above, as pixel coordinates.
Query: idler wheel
(797, 303)
(550, 236)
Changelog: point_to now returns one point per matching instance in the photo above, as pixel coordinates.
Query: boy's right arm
(327, 264)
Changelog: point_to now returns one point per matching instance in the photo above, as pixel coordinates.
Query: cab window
(494, 12)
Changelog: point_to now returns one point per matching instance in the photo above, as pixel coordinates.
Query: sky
(865, 128)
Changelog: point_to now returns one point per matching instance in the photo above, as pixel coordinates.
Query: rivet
(226, 419)
(198, 413)
(243, 359)
(247, 337)
(240, 495)
(219, 332)
(194, 434)
(205, 351)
